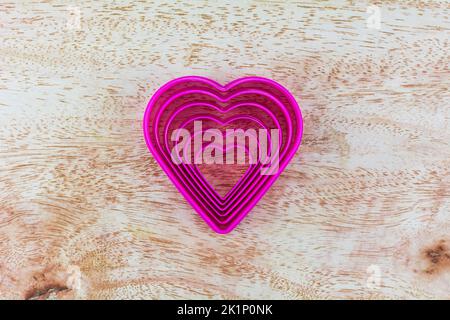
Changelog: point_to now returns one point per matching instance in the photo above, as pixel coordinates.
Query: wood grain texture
(85, 212)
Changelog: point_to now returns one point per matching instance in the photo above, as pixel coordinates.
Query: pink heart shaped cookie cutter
(183, 101)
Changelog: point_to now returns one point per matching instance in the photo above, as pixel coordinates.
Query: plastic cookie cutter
(253, 116)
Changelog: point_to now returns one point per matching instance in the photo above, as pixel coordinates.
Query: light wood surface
(363, 210)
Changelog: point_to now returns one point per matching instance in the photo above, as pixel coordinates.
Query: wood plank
(361, 212)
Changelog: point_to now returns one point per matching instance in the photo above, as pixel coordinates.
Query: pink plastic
(251, 102)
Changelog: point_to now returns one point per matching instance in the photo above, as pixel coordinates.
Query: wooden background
(363, 210)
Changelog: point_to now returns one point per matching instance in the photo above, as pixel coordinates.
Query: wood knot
(437, 257)
(54, 282)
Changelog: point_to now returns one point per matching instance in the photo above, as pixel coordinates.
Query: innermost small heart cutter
(182, 101)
